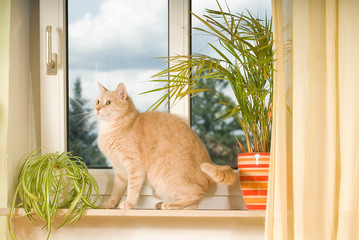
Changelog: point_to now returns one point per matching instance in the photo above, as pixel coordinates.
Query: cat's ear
(101, 88)
(121, 91)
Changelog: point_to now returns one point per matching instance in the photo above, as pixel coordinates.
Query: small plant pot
(253, 172)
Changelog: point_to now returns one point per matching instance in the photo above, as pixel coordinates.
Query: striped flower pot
(253, 172)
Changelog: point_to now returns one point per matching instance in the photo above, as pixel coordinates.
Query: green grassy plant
(50, 182)
(246, 58)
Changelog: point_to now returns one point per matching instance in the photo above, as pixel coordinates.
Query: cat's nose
(98, 110)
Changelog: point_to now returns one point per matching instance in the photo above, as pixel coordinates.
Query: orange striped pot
(253, 172)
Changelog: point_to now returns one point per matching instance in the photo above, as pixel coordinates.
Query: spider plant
(245, 60)
(50, 182)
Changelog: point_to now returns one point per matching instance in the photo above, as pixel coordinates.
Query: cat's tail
(220, 174)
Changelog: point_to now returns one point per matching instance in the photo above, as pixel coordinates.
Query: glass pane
(219, 135)
(110, 41)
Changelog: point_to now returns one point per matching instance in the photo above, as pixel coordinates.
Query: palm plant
(246, 62)
(53, 181)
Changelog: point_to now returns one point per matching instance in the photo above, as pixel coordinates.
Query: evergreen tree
(82, 135)
(218, 135)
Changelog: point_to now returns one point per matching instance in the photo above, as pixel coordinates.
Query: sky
(115, 41)
(112, 41)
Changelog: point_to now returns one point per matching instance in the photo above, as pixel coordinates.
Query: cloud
(129, 34)
(199, 40)
(118, 41)
(236, 6)
(136, 82)
(124, 34)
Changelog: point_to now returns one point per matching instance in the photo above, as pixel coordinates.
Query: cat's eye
(97, 102)
(108, 102)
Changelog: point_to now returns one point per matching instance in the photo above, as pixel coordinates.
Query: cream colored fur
(154, 146)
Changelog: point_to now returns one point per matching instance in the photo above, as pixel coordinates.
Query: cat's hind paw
(175, 206)
(126, 205)
(165, 206)
(158, 206)
(110, 204)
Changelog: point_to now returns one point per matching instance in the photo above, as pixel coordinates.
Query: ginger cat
(155, 146)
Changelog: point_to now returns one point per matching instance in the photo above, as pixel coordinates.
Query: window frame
(53, 87)
(54, 103)
(179, 41)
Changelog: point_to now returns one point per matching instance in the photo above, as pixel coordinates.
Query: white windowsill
(218, 197)
(156, 213)
(221, 201)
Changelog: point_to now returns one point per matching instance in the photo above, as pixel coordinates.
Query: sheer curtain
(315, 148)
(17, 117)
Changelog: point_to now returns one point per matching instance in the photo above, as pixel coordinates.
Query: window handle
(51, 58)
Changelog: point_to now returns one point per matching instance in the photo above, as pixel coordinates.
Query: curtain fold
(5, 13)
(315, 148)
(348, 72)
(17, 135)
(279, 205)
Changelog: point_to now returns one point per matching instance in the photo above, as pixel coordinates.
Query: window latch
(51, 58)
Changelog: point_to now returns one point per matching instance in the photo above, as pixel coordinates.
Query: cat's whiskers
(85, 117)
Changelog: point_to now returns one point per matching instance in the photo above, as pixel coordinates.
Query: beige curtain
(5, 11)
(17, 118)
(314, 175)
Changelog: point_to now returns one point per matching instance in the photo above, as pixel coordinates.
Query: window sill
(157, 213)
(218, 197)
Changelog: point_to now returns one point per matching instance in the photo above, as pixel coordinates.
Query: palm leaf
(246, 62)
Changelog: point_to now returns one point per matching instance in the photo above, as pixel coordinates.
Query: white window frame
(54, 99)
(53, 87)
(179, 44)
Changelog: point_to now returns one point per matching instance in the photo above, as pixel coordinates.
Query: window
(110, 42)
(55, 103)
(218, 135)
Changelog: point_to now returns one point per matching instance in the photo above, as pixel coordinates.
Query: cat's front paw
(126, 205)
(110, 204)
